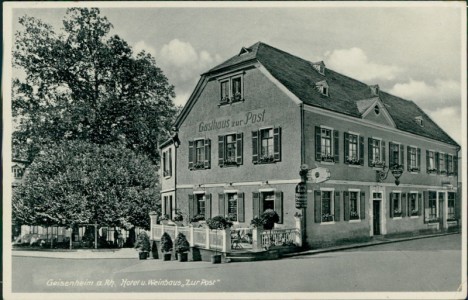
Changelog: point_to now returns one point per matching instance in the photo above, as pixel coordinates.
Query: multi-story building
(253, 120)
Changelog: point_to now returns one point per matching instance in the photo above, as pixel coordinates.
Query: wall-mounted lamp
(175, 138)
(396, 169)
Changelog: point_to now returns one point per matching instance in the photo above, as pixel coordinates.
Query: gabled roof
(300, 77)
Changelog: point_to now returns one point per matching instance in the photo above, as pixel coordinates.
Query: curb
(355, 246)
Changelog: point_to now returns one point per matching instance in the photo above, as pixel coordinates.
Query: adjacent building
(253, 120)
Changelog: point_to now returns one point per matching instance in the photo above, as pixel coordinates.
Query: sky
(413, 52)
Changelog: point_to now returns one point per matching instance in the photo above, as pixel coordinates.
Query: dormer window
(375, 89)
(320, 67)
(322, 87)
(419, 120)
(231, 88)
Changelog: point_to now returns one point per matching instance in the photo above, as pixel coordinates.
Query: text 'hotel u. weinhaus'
(252, 121)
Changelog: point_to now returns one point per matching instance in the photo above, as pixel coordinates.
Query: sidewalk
(130, 253)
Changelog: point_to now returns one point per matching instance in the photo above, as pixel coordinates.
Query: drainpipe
(459, 198)
(303, 210)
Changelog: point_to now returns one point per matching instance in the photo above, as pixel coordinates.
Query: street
(430, 264)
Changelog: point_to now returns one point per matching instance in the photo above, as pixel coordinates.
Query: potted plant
(178, 218)
(217, 223)
(182, 246)
(166, 246)
(143, 245)
(197, 219)
(164, 219)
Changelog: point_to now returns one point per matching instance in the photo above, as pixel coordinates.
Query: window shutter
(255, 147)
(337, 206)
(370, 153)
(346, 205)
(170, 207)
(207, 206)
(390, 200)
(336, 145)
(404, 204)
(361, 150)
(437, 162)
(221, 150)
(170, 162)
(317, 207)
(240, 207)
(426, 205)
(240, 148)
(207, 153)
(277, 143)
(390, 154)
(279, 205)
(457, 206)
(190, 155)
(346, 147)
(418, 163)
(446, 162)
(256, 204)
(383, 154)
(455, 165)
(408, 158)
(318, 144)
(427, 161)
(221, 204)
(402, 156)
(420, 208)
(362, 206)
(191, 206)
(165, 205)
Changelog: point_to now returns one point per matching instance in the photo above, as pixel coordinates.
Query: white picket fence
(279, 237)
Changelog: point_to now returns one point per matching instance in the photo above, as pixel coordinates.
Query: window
(232, 206)
(266, 145)
(419, 120)
(353, 205)
(395, 205)
(431, 162)
(201, 204)
(414, 159)
(322, 87)
(199, 154)
(167, 163)
(263, 200)
(377, 110)
(395, 154)
(413, 204)
(231, 89)
(431, 211)
(326, 144)
(17, 172)
(442, 163)
(376, 153)
(450, 164)
(268, 200)
(230, 149)
(451, 207)
(327, 206)
(354, 149)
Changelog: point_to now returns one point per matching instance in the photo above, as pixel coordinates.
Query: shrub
(181, 243)
(198, 218)
(256, 222)
(218, 222)
(178, 218)
(166, 243)
(143, 242)
(270, 217)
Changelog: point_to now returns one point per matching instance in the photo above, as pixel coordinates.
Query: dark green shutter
(207, 206)
(418, 164)
(256, 204)
(383, 154)
(390, 200)
(337, 206)
(390, 154)
(279, 205)
(404, 205)
(317, 207)
(437, 162)
(207, 153)
(370, 153)
(221, 204)
(420, 208)
(255, 147)
(277, 143)
(190, 155)
(426, 204)
(240, 207)
(455, 165)
(361, 150)
(402, 156)
(408, 158)
(318, 144)
(336, 145)
(240, 148)
(362, 206)
(427, 161)
(446, 163)
(346, 147)
(191, 206)
(170, 162)
(346, 205)
(221, 150)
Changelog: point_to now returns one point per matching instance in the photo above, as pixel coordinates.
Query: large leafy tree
(78, 182)
(84, 84)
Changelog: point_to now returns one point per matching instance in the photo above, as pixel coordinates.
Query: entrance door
(376, 217)
(441, 209)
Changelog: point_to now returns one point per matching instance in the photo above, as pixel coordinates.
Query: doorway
(376, 217)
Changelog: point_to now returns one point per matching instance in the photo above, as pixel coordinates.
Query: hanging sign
(301, 195)
(318, 175)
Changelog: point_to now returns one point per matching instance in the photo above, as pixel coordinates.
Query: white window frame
(434, 165)
(357, 146)
(380, 149)
(167, 163)
(260, 140)
(399, 205)
(235, 193)
(332, 204)
(358, 205)
(399, 153)
(332, 150)
(418, 163)
(442, 160)
(229, 79)
(416, 202)
(436, 200)
(450, 171)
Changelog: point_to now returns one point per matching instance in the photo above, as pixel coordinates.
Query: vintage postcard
(234, 150)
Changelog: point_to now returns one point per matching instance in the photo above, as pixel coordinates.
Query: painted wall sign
(240, 120)
(301, 195)
(318, 175)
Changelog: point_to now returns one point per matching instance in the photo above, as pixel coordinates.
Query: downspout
(304, 210)
(459, 196)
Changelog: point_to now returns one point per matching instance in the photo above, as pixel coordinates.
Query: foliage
(178, 217)
(166, 243)
(143, 242)
(83, 84)
(198, 218)
(267, 219)
(77, 182)
(218, 223)
(256, 222)
(181, 243)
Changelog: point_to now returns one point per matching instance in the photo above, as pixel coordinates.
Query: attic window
(244, 51)
(419, 120)
(322, 87)
(320, 67)
(375, 89)
(377, 110)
